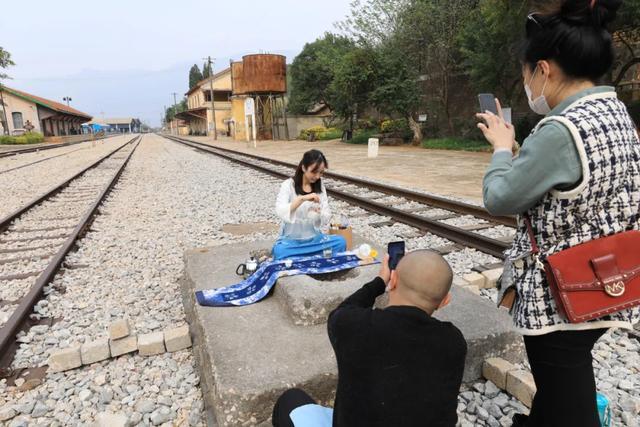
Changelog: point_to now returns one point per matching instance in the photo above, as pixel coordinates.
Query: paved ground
(450, 173)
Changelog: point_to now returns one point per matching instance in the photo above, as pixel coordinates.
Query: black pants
(290, 400)
(562, 368)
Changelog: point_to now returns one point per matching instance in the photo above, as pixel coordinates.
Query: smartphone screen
(395, 251)
(487, 103)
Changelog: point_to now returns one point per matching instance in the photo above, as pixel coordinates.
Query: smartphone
(488, 103)
(396, 252)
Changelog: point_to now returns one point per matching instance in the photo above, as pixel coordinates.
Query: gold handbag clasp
(615, 289)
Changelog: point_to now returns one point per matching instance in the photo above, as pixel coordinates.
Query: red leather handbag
(595, 278)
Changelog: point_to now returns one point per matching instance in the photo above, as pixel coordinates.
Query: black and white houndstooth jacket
(606, 201)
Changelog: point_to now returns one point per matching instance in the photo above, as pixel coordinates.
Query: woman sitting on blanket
(303, 207)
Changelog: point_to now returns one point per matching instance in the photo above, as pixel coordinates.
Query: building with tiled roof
(21, 111)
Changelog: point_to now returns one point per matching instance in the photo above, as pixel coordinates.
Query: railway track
(36, 238)
(346, 188)
(10, 153)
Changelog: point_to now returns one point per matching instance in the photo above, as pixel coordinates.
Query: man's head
(423, 279)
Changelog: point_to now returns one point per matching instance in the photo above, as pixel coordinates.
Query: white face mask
(538, 105)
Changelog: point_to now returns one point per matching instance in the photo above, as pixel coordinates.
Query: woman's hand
(313, 197)
(500, 134)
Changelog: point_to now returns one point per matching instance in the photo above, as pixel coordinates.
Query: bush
(398, 128)
(362, 136)
(27, 138)
(322, 133)
(456, 144)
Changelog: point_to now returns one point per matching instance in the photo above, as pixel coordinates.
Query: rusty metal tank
(260, 73)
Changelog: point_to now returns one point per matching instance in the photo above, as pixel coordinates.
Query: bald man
(398, 366)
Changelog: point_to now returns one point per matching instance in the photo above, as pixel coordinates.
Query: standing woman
(577, 178)
(303, 207)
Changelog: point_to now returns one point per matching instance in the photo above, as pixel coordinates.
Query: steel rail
(485, 244)
(4, 222)
(9, 153)
(11, 327)
(432, 200)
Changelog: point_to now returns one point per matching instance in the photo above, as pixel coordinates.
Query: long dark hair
(574, 34)
(311, 159)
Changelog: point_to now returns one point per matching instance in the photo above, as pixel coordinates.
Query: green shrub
(362, 136)
(322, 133)
(398, 128)
(27, 138)
(456, 144)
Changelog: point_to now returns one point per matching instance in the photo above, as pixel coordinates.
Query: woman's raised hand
(500, 134)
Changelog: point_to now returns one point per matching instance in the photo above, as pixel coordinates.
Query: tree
(171, 112)
(206, 71)
(626, 30)
(5, 62)
(313, 71)
(489, 43)
(373, 22)
(194, 76)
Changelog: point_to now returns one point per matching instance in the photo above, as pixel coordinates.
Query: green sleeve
(548, 159)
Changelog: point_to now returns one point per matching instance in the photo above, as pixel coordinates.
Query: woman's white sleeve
(283, 206)
(325, 211)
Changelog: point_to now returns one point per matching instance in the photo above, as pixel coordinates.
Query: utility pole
(67, 99)
(213, 107)
(175, 111)
(5, 121)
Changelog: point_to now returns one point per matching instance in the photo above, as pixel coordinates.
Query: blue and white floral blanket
(258, 285)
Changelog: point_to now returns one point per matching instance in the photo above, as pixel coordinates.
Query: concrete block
(123, 345)
(150, 344)
(95, 351)
(475, 279)
(177, 339)
(520, 385)
(63, 360)
(239, 388)
(459, 281)
(491, 277)
(495, 369)
(308, 300)
(119, 329)
(472, 288)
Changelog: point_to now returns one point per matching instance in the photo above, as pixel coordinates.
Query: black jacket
(397, 367)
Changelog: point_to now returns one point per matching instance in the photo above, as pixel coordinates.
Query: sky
(125, 58)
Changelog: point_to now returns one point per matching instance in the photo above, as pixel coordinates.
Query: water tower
(263, 77)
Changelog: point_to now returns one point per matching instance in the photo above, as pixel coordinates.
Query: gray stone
(7, 412)
(95, 351)
(151, 344)
(495, 411)
(106, 396)
(109, 419)
(66, 359)
(160, 415)
(228, 347)
(39, 409)
(85, 395)
(135, 418)
(21, 421)
(26, 407)
(177, 339)
(145, 406)
(483, 414)
(490, 390)
(626, 385)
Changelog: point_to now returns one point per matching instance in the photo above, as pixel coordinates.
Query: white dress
(300, 225)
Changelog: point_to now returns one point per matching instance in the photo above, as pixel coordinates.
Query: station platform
(247, 356)
(444, 172)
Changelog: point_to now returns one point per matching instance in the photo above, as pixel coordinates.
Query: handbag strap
(535, 251)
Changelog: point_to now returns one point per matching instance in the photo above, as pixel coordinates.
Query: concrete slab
(248, 355)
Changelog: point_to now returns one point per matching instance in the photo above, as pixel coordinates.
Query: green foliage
(322, 133)
(456, 144)
(5, 62)
(27, 138)
(489, 42)
(194, 76)
(313, 71)
(206, 70)
(171, 112)
(362, 136)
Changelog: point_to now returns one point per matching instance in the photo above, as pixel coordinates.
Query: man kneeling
(396, 367)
